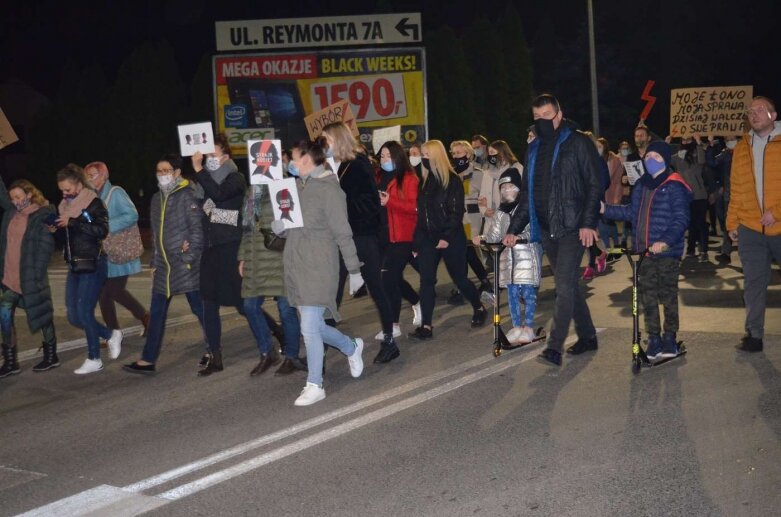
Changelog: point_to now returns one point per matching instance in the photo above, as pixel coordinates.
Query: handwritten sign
(709, 111)
(385, 134)
(633, 171)
(337, 112)
(7, 133)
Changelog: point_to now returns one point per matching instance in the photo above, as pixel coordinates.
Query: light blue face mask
(479, 152)
(329, 153)
(292, 169)
(387, 166)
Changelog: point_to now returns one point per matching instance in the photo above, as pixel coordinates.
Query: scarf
(12, 278)
(252, 206)
(222, 172)
(73, 208)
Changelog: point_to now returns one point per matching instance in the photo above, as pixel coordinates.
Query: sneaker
(583, 345)
(455, 298)
(513, 335)
(478, 317)
(396, 333)
(588, 273)
(703, 257)
(750, 344)
(669, 346)
(355, 360)
(723, 259)
(422, 333)
(550, 356)
(115, 344)
(653, 347)
(309, 395)
(89, 366)
(602, 262)
(204, 362)
(134, 367)
(526, 335)
(417, 315)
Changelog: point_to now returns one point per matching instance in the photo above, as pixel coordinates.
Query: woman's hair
(413, 146)
(74, 174)
(221, 140)
(605, 147)
(174, 159)
(315, 150)
(400, 161)
(36, 196)
(438, 161)
(470, 152)
(345, 147)
(100, 166)
(506, 155)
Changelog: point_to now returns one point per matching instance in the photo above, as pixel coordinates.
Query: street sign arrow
(403, 27)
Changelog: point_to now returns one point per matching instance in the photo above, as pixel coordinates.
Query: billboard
(268, 96)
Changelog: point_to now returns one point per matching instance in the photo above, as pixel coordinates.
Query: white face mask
(682, 154)
(165, 180)
(414, 160)
(624, 152)
(509, 194)
(731, 144)
(212, 163)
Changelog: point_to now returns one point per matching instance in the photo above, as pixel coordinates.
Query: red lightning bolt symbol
(646, 96)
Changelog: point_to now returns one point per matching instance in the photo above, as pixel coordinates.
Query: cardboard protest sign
(338, 112)
(285, 202)
(196, 137)
(265, 161)
(634, 170)
(7, 133)
(385, 134)
(709, 111)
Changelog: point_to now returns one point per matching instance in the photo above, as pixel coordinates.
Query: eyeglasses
(164, 171)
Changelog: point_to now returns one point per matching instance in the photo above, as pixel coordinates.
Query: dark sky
(678, 43)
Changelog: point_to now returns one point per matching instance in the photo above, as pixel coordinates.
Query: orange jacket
(744, 208)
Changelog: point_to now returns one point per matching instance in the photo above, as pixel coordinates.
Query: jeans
(397, 256)
(564, 256)
(608, 230)
(262, 332)
(756, 252)
(9, 300)
(82, 291)
(315, 333)
(158, 313)
(115, 290)
(527, 293)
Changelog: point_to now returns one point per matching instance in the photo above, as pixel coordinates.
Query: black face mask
(544, 128)
(461, 164)
(493, 159)
(426, 163)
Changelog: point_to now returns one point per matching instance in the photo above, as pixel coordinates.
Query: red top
(402, 208)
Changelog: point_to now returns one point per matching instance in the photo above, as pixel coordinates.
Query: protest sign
(338, 112)
(196, 137)
(285, 202)
(709, 111)
(634, 170)
(385, 134)
(265, 161)
(7, 133)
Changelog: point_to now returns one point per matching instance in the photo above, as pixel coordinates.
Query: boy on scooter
(659, 213)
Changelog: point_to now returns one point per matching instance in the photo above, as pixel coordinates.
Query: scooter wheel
(497, 351)
(637, 364)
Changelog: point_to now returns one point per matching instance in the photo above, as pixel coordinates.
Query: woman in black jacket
(440, 234)
(84, 218)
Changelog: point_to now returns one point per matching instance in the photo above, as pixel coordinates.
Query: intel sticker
(236, 115)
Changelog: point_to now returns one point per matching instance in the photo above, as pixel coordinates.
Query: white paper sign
(284, 201)
(265, 161)
(385, 134)
(196, 137)
(634, 170)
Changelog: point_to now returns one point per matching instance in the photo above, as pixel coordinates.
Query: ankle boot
(10, 364)
(50, 359)
(214, 364)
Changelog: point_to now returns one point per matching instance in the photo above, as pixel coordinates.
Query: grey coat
(176, 218)
(312, 253)
(520, 265)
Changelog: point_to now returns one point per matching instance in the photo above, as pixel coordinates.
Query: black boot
(50, 359)
(10, 364)
(214, 364)
(389, 350)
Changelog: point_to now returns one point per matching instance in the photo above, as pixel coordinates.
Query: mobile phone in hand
(51, 220)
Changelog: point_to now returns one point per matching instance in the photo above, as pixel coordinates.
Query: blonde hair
(470, 152)
(36, 196)
(438, 161)
(345, 147)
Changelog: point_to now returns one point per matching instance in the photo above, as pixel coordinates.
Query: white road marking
(101, 500)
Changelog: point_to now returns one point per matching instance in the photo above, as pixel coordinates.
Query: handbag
(125, 245)
(272, 241)
(78, 265)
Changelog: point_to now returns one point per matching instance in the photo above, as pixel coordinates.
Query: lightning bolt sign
(651, 100)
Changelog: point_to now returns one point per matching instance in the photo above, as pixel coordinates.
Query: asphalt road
(446, 429)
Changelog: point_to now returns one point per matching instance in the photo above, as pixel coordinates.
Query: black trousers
(397, 256)
(428, 261)
(475, 263)
(368, 248)
(698, 226)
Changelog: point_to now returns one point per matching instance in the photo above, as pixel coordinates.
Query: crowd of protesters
(366, 217)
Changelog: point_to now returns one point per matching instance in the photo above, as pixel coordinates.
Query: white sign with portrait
(196, 137)
(265, 161)
(285, 202)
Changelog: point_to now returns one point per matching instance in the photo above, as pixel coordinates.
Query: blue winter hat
(662, 148)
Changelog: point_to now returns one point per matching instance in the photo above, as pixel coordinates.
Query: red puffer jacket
(402, 208)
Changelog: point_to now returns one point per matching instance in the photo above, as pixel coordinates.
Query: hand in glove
(356, 281)
(278, 227)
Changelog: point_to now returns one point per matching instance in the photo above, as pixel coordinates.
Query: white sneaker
(89, 366)
(355, 360)
(526, 335)
(513, 334)
(417, 317)
(115, 344)
(309, 395)
(396, 333)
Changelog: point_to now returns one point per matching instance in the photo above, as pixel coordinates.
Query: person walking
(26, 247)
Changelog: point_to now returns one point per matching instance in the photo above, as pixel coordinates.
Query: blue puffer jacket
(666, 200)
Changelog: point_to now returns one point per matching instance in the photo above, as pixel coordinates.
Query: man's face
(760, 116)
(641, 138)
(548, 112)
(477, 144)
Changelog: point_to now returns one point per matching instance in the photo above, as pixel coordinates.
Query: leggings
(527, 293)
(115, 290)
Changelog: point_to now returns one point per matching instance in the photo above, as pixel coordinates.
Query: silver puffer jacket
(523, 263)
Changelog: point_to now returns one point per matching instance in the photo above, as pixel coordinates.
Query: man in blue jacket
(560, 200)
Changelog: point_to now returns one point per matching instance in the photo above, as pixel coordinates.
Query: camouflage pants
(658, 284)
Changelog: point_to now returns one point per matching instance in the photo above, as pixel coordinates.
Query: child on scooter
(520, 268)
(659, 213)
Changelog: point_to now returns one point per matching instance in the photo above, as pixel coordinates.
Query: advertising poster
(265, 161)
(269, 96)
(284, 201)
(709, 111)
